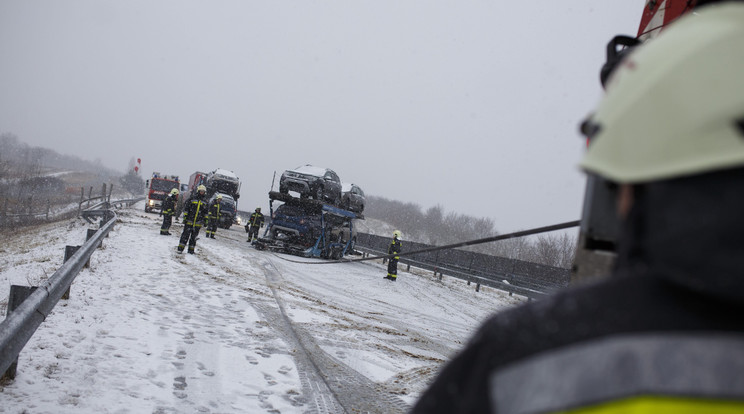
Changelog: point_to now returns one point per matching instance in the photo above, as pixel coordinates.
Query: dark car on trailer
(296, 225)
(352, 198)
(308, 181)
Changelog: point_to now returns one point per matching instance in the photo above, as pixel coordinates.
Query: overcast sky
(472, 105)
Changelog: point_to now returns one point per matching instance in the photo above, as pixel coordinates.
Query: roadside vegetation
(39, 185)
(436, 227)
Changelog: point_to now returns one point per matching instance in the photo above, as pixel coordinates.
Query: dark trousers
(393, 267)
(211, 227)
(167, 221)
(189, 235)
(253, 232)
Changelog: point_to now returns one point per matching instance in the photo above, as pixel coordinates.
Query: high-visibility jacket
(214, 211)
(169, 205)
(395, 247)
(195, 211)
(256, 220)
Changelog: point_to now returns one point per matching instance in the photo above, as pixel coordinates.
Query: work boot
(191, 251)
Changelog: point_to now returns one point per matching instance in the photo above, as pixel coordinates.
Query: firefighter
(394, 248)
(213, 218)
(194, 214)
(168, 211)
(662, 334)
(255, 222)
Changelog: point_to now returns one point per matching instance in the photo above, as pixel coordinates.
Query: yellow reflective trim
(663, 405)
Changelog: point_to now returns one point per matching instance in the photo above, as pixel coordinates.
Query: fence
(514, 276)
(31, 210)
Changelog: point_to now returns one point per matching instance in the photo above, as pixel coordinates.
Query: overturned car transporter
(308, 228)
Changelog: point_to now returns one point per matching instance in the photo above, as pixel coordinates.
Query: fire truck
(158, 187)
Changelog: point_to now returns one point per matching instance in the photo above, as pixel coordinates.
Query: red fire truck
(158, 187)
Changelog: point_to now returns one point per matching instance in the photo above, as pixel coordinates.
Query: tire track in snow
(354, 392)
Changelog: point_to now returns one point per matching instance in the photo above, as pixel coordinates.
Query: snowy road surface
(228, 330)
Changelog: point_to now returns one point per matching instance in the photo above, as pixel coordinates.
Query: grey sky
(472, 105)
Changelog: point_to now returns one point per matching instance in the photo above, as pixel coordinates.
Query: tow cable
(516, 234)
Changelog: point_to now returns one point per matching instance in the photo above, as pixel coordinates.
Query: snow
(230, 329)
(310, 170)
(226, 173)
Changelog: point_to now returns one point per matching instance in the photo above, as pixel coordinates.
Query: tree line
(31, 181)
(437, 227)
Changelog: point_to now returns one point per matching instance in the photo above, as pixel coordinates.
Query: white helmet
(174, 191)
(397, 234)
(201, 188)
(219, 197)
(675, 106)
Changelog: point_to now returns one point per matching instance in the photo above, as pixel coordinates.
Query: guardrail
(26, 314)
(99, 209)
(514, 276)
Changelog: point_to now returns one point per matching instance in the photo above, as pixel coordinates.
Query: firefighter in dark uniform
(213, 218)
(194, 214)
(255, 222)
(663, 333)
(394, 248)
(168, 211)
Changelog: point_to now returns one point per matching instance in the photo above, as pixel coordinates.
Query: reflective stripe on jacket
(395, 247)
(195, 212)
(168, 205)
(214, 211)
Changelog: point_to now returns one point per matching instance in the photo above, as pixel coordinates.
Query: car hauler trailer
(308, 228)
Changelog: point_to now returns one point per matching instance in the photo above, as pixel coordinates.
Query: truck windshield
(163, 185)
(224, 187)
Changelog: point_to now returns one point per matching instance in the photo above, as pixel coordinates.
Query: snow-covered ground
(230, 329)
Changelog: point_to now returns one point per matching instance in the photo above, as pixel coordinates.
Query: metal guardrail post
(69, 252)
(91, 233)
(17, 295)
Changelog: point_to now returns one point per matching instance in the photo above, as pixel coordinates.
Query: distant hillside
(36, 159)
(437, 227)
(38, 184)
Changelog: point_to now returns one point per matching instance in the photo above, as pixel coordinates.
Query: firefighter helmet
(174, 192)
(675, 106)
(219, 197)
(258, 209)
(397, 234)
(201, 188)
